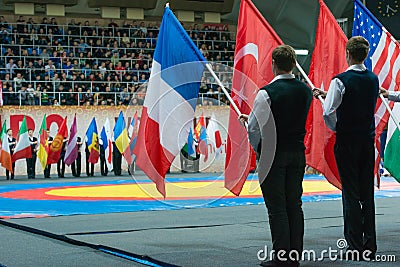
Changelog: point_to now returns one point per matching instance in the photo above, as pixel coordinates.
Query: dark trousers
(30, 166)
(12, 173)
(117, 161)
(76, 166)
(355, 160)
(282, 190)
(103, 165)
(47, 171)
(89, 166)
(61, 167)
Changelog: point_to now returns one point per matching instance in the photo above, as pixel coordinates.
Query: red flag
(328, 60)
(57, 144)
(255, 41)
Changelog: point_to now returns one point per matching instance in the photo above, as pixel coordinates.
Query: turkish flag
(328, 60)
(255, 41)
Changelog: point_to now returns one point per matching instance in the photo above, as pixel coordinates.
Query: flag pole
(230, 98)
(308, 80)
(235, 107)
(394, 118)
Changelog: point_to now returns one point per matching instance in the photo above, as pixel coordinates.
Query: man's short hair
(284, 57)
(358, 48)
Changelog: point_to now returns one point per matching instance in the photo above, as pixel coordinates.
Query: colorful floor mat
(96, 197)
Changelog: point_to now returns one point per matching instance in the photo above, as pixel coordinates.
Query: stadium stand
(98, 63)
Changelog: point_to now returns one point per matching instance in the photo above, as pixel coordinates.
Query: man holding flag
(47, 170)
(121, 143)
(289, 100)
(107, 146)
(92, 147)
(11, 146)
(72, 150)
(349, 110)
(5, 151)
(31, 162)
(76, 165)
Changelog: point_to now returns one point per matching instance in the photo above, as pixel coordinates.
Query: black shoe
(269, 264)
(274, 263)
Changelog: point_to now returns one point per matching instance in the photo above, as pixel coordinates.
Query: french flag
(170, 101)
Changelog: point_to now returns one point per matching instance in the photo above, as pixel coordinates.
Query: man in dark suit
(117, 160)
(12, 142)
(89, 166)
(103, 163)
(289, 101)
(48, 166)
(60, 162)
(76, 165)
(349, 110)
(31, 162)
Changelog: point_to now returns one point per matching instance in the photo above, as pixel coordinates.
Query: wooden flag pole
(235, 107)
(308, 80)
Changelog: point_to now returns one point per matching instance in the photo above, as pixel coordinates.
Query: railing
(76, 32)
(29, 74)
(38, 98)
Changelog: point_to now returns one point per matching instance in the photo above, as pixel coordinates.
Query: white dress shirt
(394, 96)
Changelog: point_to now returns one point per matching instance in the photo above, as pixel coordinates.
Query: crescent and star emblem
(248, 49)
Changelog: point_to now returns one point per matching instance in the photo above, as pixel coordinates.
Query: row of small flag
(124, 138)
(201, 136)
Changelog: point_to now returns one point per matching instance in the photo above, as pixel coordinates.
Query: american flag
(383, 59)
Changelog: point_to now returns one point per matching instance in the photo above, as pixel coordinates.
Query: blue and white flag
(170, 101)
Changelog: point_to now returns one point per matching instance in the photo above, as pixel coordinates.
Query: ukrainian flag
(121, 134)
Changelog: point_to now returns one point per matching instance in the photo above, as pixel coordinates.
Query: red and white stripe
(386, 65)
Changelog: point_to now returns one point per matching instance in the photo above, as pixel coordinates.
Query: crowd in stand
(81, 64)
